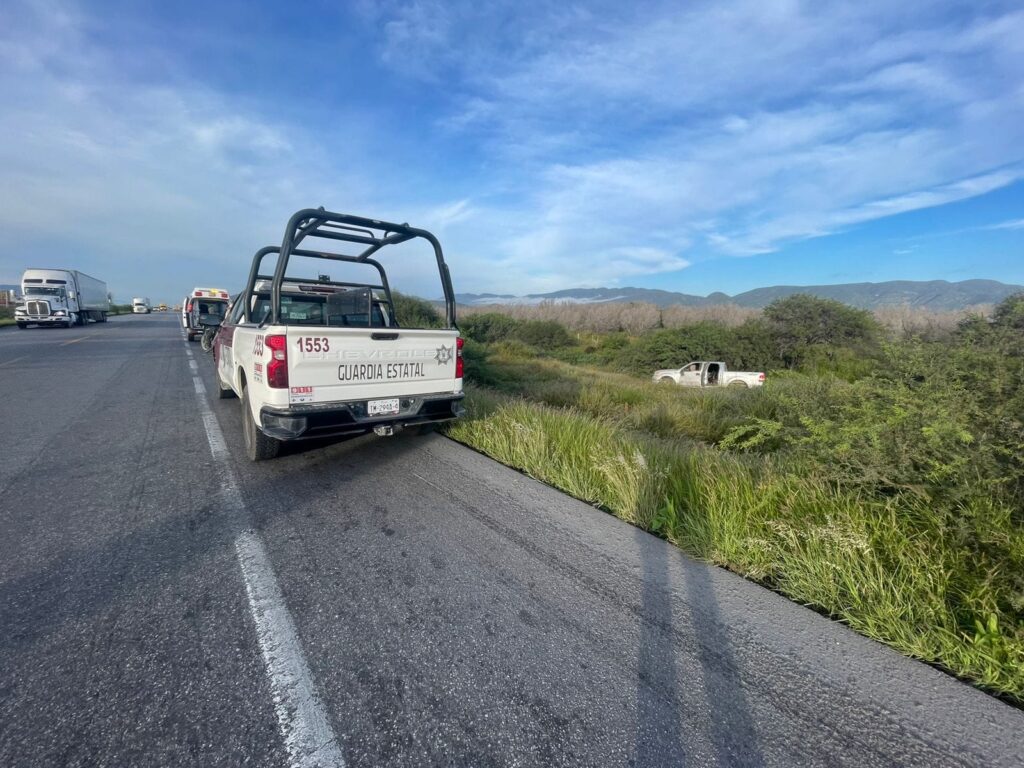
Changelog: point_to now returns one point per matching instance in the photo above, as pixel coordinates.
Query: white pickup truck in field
(708, 374)
(309, 356)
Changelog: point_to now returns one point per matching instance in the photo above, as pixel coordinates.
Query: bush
(804, 325)
(542, 334)
(488, 327)
(673, 348)
(413, 312)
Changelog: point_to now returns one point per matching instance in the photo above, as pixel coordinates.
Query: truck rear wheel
(258, 447)
(738, 384)
(222, 393)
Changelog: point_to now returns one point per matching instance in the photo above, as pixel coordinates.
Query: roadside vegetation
(877, 477)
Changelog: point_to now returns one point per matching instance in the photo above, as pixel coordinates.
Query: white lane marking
(307, 732)
(193, 365)
(308, 737)
(76, 341)
(432, 485)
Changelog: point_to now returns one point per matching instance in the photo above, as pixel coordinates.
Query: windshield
(314, 310)
(210, 307)
(38, 290)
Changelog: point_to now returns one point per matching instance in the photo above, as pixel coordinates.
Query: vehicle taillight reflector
(277, 368)
(458, 357)
(189, 307)
(760, 377)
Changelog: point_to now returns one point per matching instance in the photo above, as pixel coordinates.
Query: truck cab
(61, 297)
(141, 306)
(311, 356)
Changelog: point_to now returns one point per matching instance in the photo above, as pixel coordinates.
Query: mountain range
(929, 294)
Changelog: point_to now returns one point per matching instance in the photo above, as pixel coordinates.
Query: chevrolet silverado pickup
(708, 374)
(311, 356)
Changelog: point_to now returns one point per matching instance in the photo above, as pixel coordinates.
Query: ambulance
(202, 302)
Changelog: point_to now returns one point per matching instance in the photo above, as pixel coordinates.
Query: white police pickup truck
(311, 356)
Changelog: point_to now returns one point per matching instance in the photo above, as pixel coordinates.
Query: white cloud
(1012, 224)
(724, 128)
(155, 186)
(616, 141)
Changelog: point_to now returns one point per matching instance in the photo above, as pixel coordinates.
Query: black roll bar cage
(316, 222)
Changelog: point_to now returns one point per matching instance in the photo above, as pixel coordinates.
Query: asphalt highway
(404, 600)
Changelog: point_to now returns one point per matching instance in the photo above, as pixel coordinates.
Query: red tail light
(760, 377)
(277, 368)
(189, 307)
(458, 357)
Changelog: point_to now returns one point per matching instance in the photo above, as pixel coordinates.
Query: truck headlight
(59, 313)
(19, 311)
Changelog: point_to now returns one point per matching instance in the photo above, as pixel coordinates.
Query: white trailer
(63, 297)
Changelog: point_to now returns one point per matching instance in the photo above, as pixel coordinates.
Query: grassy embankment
(878, 480)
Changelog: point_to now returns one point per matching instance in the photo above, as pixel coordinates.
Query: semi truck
(141, 306)
(62, 297)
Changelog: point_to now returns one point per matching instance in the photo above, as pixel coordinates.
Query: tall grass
(894, 568)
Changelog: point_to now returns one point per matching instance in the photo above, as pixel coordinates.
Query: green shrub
(804, 324)
(488, 327)
(413, 312)
(542, 334)
(673, 348)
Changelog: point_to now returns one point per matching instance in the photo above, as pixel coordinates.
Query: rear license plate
(382, 407)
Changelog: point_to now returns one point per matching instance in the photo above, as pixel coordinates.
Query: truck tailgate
(327, 365)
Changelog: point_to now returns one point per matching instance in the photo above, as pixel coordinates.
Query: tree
(1009, 313)
(806, 325)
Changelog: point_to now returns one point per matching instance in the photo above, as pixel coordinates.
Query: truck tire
(67, 324)
(103, 317)
(666, 380)
(258, 447)
(738, 384)
(83, 318)
(223, 394)
(22, 326)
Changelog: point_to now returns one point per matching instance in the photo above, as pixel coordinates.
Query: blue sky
(694, 147)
